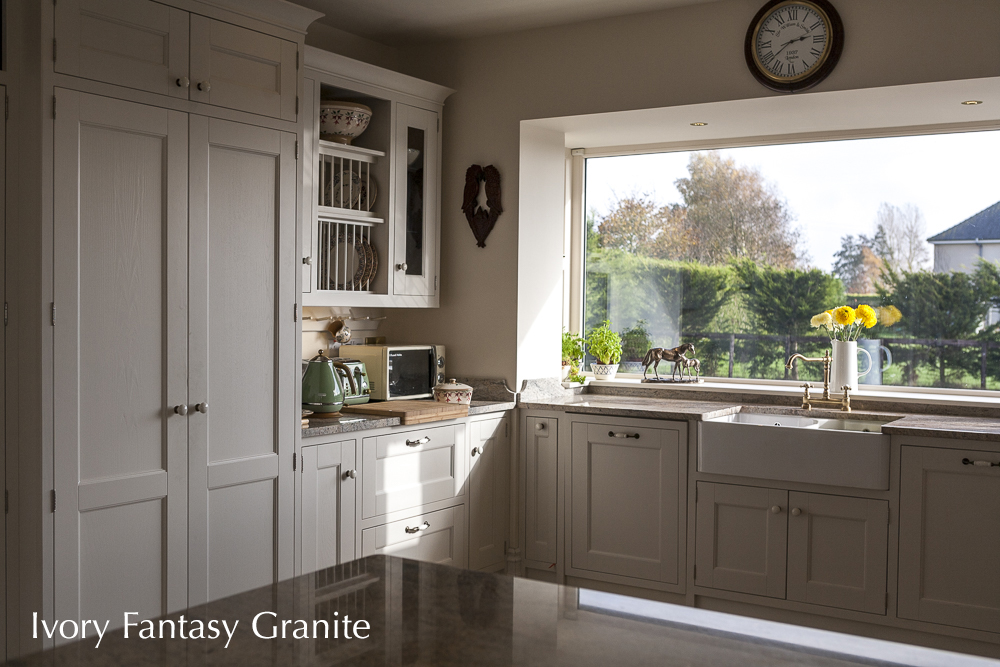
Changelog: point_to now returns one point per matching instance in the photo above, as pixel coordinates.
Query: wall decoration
(481, 221)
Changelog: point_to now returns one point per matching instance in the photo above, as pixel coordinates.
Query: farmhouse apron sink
(835, 452)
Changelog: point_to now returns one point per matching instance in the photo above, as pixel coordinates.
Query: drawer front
(435, 537)
(412, 468)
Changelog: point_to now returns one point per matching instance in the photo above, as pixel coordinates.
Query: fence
(790, 342)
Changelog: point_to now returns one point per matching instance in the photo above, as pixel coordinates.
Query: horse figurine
(658, 354)
(688, 364)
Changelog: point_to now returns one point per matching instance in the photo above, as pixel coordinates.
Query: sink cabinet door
(625, 500)
(741, 541)
(837, 551)
(540, 481)
(949, 538)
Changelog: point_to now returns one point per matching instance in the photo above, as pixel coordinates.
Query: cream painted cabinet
(437, 537)
(949, 537)
(541, 475)
(151, 46)
(488, 492)
(741, 534)
(624, 499)
(329, 483)
(416, 220)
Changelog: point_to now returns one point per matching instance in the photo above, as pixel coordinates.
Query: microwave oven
(397, 372)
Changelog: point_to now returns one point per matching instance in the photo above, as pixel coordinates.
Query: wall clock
(792, 45)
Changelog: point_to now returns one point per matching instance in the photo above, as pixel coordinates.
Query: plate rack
(348, 259)
(346, 182)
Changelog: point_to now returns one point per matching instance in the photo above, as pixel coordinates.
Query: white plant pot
(565, 371)
(604, 371)
(844, 369)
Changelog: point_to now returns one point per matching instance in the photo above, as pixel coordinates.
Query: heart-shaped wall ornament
(482, 221)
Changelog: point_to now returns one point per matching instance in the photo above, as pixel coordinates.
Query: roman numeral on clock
(819, 39)
(816, 52)
(816, 24)
(766, 45)
(767, 58)
(793, 13)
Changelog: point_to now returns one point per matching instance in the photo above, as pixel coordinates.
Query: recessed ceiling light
(699, 124)
(972, 103)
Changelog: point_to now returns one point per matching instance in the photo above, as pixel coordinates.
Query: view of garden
(728, 267)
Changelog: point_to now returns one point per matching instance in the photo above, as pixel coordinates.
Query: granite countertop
(960, 428)
(400, 611)
(349, 423)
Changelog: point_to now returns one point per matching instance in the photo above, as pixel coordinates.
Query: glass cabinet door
(416, 215)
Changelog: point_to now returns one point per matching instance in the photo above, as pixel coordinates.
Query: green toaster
(361, 391)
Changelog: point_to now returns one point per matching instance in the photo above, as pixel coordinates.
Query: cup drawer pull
(419, 441)
(417, 529)
(983, 464)
(614, 434)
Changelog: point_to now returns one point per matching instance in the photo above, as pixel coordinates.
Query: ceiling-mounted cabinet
(371, 208)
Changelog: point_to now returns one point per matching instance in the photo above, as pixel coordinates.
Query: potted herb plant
(572, 357)
(605, 346)
(636, 342)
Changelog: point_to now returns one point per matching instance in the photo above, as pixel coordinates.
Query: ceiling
(389, 21)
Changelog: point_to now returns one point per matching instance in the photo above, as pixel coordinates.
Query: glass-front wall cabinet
(415, 269)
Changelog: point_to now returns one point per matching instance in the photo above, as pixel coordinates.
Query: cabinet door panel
(949, 538)
(837, 551)
(415, 230)
(625, 501)
(541, 481)
(237, 68)
(120, 282)
(741, 542)
(242, 277)
(134, 43)
(488, 492)
(328, 505)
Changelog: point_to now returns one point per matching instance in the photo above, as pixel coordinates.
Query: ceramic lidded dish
(453, 392)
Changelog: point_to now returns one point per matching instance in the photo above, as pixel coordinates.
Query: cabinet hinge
(53, 107)
(5, 313)
(695, 571)
(439, 123)
(6, 501)
(53, 50)
(53, 314)
(696, 493)
(6, 107)
(295, 313)
(296, 104)
(296, 146)
(506, 429)
(435, 283)
(53, 500)
(295, 461)
(296, 60)
(887, 599)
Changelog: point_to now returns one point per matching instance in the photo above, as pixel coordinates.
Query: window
(735, 250)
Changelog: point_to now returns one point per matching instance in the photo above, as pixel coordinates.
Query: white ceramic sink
(834, 452)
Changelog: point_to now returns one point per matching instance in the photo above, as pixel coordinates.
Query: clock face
(793, 44)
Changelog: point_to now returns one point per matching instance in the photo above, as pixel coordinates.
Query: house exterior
(959, 248)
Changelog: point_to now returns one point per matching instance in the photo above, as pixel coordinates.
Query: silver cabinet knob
(796, 511)
(539, 426)
(183, 82)
(419, 441)
(181, 409)
(307, 260)
(204, 86)
(417, 529)
(477, 450)
(202, 408)
(776, 510)
(401, 267)
(351, 474)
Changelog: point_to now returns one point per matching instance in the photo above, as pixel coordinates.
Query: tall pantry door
(243, 366)
(119, 358)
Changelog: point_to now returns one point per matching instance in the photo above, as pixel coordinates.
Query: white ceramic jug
(844, 370)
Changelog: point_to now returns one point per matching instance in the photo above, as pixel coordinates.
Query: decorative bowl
(453, 392)
(342, 122)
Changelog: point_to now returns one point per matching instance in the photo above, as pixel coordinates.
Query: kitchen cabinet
(437, 537)
(488, 492)
(949, 537)
(328, 487)
(816, 548)
(541, 473)
(624, 499)
(161, 49)
(172, 444)
(380, 247)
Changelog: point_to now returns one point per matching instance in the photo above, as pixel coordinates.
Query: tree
(902, 233)
(637, 225)
(732, 212)
(857, 264)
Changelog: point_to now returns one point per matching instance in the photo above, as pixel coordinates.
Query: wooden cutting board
(410, 412)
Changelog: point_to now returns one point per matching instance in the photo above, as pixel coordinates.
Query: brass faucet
(808, 402)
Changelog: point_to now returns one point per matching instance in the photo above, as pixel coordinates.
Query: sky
(834, 188)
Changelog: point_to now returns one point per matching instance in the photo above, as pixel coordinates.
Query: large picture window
(735, 250)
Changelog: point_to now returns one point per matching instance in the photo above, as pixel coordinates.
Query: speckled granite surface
(404, 612)
(632, 406)
(959, 428)
(352, 423)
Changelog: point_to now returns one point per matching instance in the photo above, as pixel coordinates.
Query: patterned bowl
(342, 122)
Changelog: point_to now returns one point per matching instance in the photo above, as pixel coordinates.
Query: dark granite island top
(413, 613)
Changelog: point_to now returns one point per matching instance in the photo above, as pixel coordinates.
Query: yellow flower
(844, 316)
(822, 320)
(866, 314)
(889, 315)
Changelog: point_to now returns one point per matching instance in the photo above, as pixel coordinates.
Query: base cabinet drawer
(436, 537)
(410, 469)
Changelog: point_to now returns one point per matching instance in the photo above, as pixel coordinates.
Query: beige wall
(680, 56)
